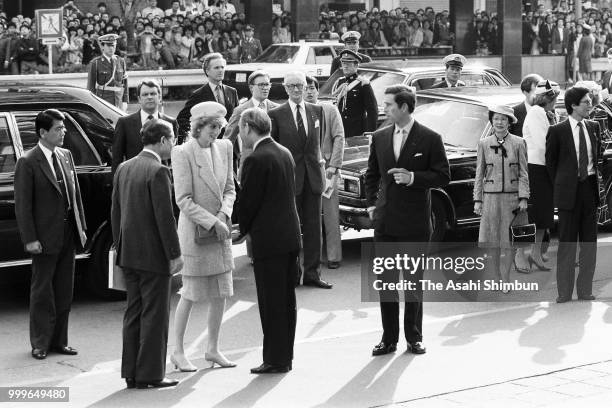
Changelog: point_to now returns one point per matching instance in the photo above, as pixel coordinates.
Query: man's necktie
(219, 95)
(59, 176)
(404, 136)
(262, 105)
(300, 123)
(149, 117)
(583, 158)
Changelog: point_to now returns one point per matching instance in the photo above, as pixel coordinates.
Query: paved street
(519, 354)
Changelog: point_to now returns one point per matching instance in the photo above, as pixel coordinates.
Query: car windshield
(379, 81)
(279, 54)
(460, 124)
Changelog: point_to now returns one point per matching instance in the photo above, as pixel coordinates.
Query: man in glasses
(351, 42)
(107, 76)
(355, 98)
(297, 125)
(259, 85)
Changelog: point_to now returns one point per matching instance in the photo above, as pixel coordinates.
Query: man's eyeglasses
(263, 85)
(299, 87)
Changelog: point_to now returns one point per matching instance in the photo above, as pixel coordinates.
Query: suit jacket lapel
(572, 146)
(290, 113)
(204, 167)
(388, 154)
(593, 139)
(46, 168)
(71, 184)
(137, 121)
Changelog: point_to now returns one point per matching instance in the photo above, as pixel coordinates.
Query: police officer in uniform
(108, 75)
(454, 65)
(355, 97)
(351, 42)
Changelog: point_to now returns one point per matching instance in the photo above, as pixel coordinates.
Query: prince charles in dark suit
(297, 126)
(406, 160)
(51, 222)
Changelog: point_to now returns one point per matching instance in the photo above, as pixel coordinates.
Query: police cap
(351, 36)
(456, 60)
(349, 56)
(108, 39)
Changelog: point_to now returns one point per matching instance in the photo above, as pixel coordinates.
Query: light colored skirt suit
(204, 186)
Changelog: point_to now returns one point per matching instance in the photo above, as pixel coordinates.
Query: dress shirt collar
(46, 151)
(153, 153)
(256, 103)
(407, 128)
(109, 60)
(259, 141)
(573, 123)
(144, 116)
(302, 106)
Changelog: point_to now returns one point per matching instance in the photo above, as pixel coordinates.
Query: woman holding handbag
(205, 194)
(541, 211)
(501, 186)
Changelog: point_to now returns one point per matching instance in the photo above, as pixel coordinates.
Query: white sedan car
(311, 58)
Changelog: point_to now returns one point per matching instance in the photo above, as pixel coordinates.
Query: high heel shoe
(182, 364)
(219, 359)
(540, 267)
(521, 270)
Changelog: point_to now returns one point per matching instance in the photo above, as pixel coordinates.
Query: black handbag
(521, 235)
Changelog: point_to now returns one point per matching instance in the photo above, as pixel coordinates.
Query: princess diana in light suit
(205, 194)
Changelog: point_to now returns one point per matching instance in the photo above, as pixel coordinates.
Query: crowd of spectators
(397, 28)
(178, 37)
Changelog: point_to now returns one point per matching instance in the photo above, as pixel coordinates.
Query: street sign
(49, 23)
(50, 29)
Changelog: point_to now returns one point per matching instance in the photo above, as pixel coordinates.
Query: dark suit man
(545, 32)
(572, 150)
(51, 222)
(406, 160)
(144, 232)
(454, 66)
(214, 90)
(127, 142)
(355, 98)
(297, 126)
(528, 87)
(268, 185)
(559, 38)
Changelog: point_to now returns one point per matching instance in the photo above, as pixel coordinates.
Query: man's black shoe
(382, 349)
(157, 384)
(130, 383)
(266, 368)
(333, 265)
(586, 297)
(319, 283)
(39, 354)
(65, 350)
(416, 348)
(563, 299)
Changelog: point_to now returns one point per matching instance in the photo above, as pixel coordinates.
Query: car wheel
(97, 274)
(438, 220)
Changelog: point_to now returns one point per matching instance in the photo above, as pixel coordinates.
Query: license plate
(241, 77)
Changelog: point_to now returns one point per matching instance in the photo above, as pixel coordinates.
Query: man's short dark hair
(101, 5)
(153, 131)
(151, 83)
(256, 74)
(44, 120)
(312, 80)
(529, 81)
(258, 120)
(573, 96)
(403, 94)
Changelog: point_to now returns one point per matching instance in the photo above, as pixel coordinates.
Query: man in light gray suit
(259, 85)
(332, 149)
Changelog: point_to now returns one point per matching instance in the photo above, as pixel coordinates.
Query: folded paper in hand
(330, 183)
(204, 236)
(116, 278)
